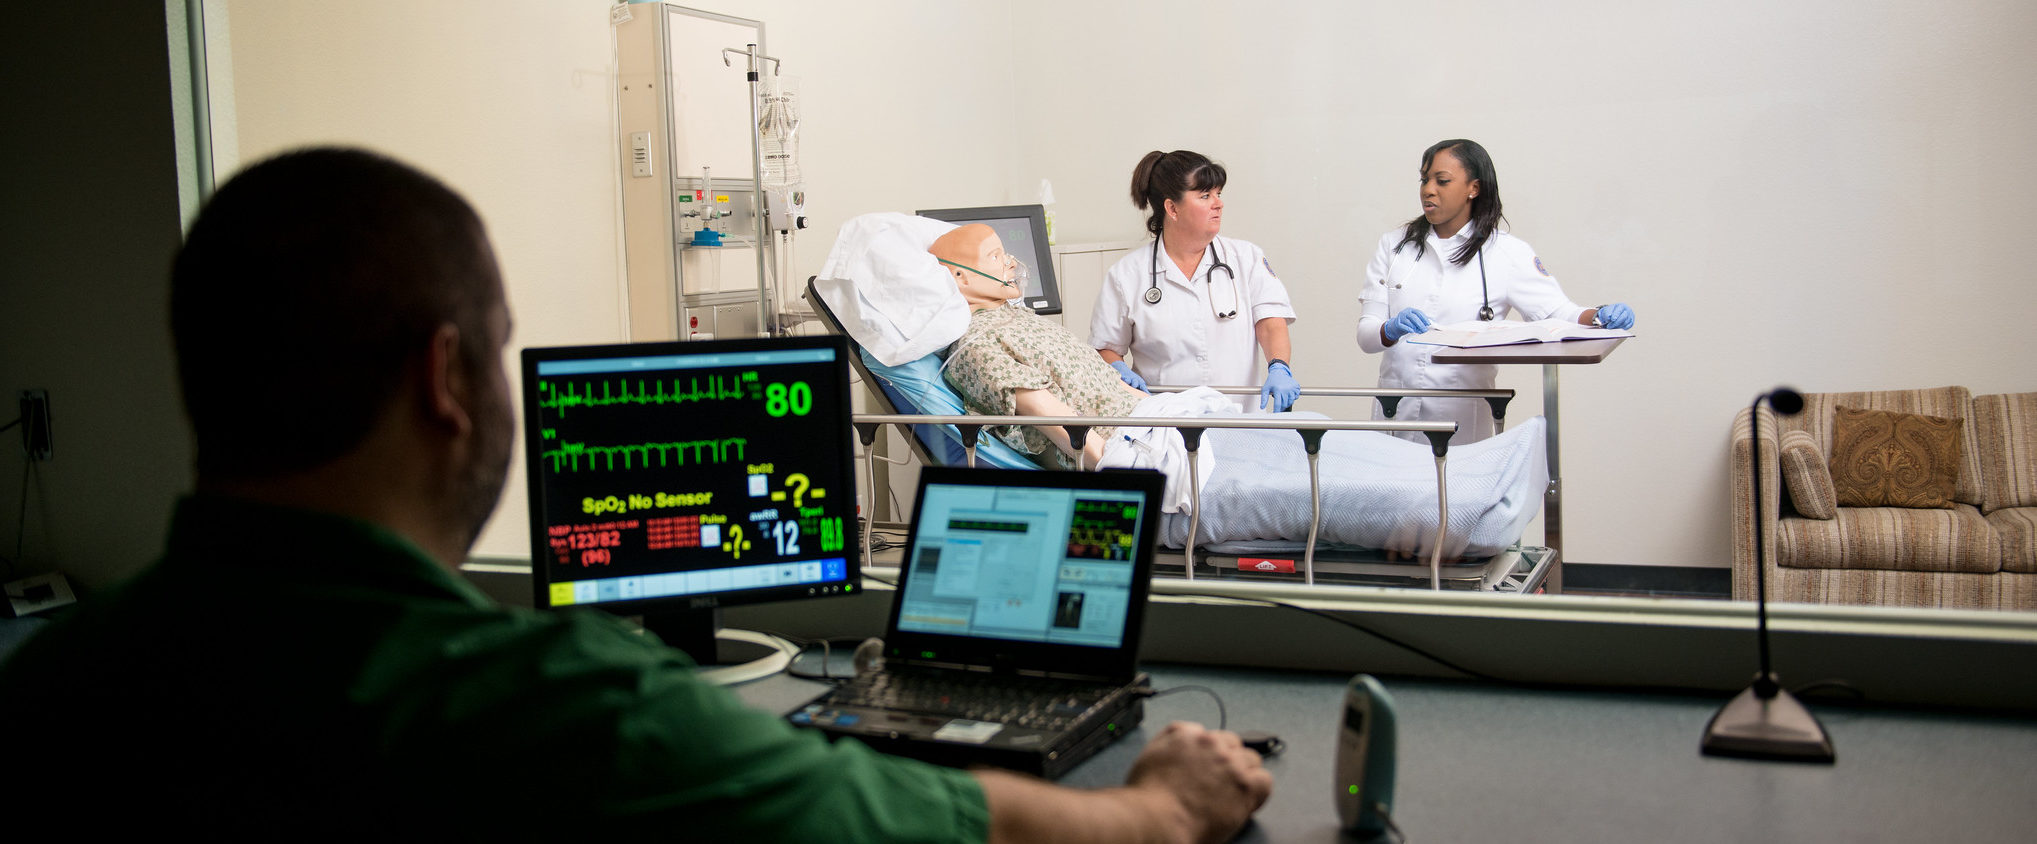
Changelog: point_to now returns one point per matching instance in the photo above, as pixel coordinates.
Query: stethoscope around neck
(1216, 258)
(1485, 311)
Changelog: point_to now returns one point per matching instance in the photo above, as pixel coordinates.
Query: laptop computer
(1014, 633)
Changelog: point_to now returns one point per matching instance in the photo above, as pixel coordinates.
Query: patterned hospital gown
(1009, 349)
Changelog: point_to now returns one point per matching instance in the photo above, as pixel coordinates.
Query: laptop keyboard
(1032, 702)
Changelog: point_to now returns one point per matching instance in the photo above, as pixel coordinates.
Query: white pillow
(890, 293)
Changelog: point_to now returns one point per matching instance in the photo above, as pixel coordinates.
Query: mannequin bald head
(977, 247)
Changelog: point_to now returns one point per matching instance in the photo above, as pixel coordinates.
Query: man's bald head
(964, 245)
(974, 256)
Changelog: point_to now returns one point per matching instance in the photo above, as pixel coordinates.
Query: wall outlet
(35, 425)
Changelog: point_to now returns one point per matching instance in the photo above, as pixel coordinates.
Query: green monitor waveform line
(650, 392)
(638, 456)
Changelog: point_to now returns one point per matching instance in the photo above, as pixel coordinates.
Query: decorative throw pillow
(1807, 477)
(1881, 458)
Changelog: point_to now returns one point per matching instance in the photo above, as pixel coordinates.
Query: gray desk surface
(1491, 763)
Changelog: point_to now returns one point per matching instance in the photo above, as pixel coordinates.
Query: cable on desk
(882, 539)
(1474, 674)
(803, 647)
(1386, 815)
(782, 653)
(1223, 719)
(827, 651)
(1845, 688)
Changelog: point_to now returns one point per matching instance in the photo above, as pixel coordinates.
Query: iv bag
(778, 133)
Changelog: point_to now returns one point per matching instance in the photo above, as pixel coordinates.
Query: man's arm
(1189, 785)
(1043, 403)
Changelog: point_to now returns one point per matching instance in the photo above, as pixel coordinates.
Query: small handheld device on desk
(1365, 764)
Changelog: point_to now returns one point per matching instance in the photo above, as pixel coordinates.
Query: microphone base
(1778, 728)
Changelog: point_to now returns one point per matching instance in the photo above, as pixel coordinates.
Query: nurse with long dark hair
(1454, 264)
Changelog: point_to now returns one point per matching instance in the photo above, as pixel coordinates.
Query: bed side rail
(1389, 397)
(1311, 432)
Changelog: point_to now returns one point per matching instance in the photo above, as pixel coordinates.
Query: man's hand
(1215, 781)
(1190, 784)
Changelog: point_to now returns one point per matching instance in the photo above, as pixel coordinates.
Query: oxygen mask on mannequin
(1015, 273)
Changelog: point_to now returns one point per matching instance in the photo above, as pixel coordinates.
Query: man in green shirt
(303, 662)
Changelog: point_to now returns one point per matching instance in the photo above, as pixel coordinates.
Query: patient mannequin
(1015, 362)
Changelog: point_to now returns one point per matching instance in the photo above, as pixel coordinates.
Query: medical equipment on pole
(690, 173)
(782, 189)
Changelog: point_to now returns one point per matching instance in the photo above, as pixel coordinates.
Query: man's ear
(447, 386)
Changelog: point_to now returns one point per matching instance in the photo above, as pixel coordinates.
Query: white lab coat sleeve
(1264, 289)
(1531, 289)
(1372, 296)
(1110, 322)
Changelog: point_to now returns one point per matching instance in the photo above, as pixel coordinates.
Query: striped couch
(1981, 554)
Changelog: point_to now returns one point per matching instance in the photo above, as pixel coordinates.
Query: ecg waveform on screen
(645, 391)
(578, 457)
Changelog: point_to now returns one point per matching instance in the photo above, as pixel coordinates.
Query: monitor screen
(1024, 563)
(685, 476)
(1023, 228)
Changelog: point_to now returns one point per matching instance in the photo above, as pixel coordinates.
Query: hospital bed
(948, 436)
(1250, 528)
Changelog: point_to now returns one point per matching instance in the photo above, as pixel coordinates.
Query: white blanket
(1378, 491)
(1163, 448)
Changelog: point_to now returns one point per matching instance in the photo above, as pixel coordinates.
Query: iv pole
(757, 173)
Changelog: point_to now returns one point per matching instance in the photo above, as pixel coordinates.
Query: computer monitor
(670, 479)
(1023, 228)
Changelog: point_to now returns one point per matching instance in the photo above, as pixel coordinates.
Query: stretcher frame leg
(1315, 517)
(1442, 525)
(1192, 439)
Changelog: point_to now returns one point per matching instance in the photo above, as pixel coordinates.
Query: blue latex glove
(1126, 374)
(1616, 315)
(1281, 388)
(1408, 321)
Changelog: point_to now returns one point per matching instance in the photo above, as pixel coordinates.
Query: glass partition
(517, 109)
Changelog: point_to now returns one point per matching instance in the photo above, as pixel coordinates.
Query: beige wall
(1823, 194)
(511, 104)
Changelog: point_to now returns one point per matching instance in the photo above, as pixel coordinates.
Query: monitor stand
(694, 631)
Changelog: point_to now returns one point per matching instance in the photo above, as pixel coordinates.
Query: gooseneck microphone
(1765, 721)
(1785, 402)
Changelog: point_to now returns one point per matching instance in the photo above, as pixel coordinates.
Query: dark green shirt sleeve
(620, 734)
(288, 675)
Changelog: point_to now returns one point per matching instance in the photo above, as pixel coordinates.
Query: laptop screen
(1028, 565)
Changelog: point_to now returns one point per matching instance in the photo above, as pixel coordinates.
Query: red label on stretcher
(1265, 564)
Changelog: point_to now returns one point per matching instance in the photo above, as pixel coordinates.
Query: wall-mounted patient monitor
(1023, 228)
(670, 479)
